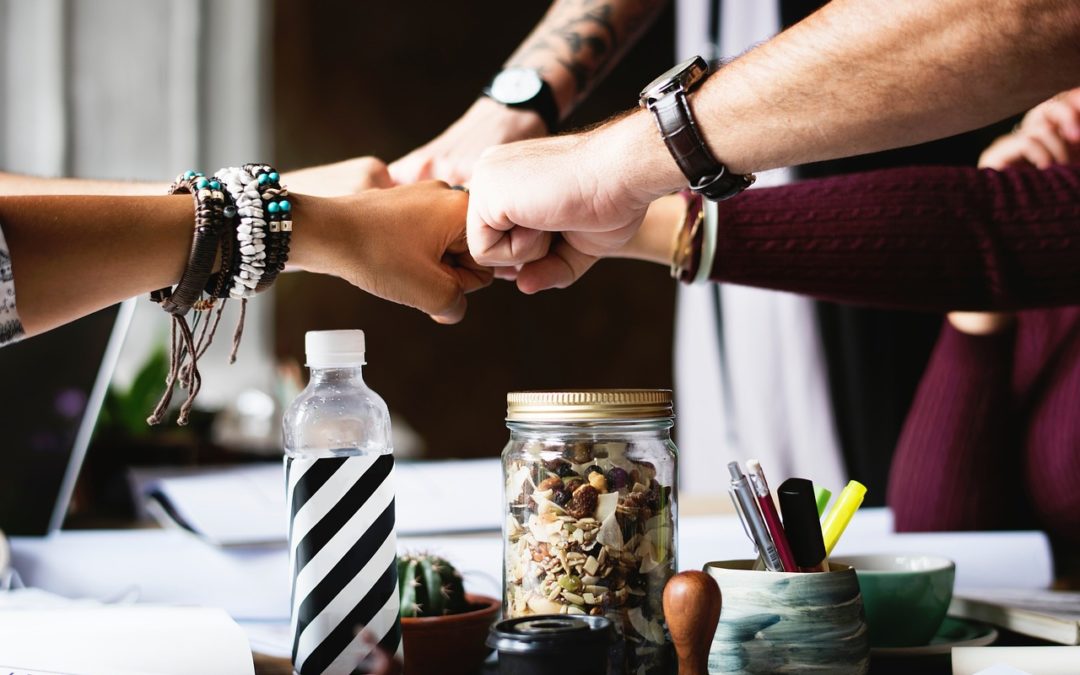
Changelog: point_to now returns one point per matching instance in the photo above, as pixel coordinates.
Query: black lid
(550, 632)
(801, 523)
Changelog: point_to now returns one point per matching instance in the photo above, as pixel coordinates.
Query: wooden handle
(692, 609)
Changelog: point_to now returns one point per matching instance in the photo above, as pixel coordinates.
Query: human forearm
(578, 41)
(928, 238)
(655, 240)
(72, 255)
(861, 76)
(867, 75)
(931, 238)
(958, 454)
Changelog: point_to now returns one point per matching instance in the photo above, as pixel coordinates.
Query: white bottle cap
(334, 348)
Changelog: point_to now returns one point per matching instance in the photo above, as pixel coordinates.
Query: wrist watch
(524, 89)
(667, 98)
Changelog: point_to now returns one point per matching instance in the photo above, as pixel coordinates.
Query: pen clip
(757, 484)
(742, 520)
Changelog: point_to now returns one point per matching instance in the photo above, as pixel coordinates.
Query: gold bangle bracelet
(687, 232)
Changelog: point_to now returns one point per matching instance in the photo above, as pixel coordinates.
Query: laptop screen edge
(90, 415)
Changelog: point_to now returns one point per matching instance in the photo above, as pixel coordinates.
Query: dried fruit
(570, 582)
(580, 452)
(593, 469)
(583, 503)
(598, 481)
(553, 483)
(560, 497)
(617, 478)
(572, 484)
(564, 469)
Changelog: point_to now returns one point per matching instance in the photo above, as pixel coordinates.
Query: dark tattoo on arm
(585, 37)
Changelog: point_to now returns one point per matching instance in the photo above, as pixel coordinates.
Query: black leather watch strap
(707, 175)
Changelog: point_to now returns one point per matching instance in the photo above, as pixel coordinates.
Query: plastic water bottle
(339, 476)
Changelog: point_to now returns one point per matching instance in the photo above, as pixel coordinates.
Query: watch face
(683, 76)
(516, 85)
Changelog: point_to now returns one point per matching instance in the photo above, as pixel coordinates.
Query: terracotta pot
(451, 644)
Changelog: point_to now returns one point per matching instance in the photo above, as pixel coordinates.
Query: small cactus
(429, 586)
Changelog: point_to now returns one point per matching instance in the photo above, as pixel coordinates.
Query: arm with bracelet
(555, 67)
(926, 238)
(65, 256)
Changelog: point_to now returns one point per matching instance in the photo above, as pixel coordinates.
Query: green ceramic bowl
(905, 597)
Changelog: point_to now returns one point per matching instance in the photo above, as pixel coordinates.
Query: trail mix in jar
(590, 530)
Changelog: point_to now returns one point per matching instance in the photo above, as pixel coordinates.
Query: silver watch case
(514, 86)
(683, 77)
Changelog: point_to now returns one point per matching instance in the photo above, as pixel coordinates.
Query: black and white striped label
(342, 559)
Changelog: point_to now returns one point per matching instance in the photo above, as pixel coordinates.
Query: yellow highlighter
(851, 497)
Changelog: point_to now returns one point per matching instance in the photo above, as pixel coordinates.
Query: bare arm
(866, 75)
(578, 41)
(857, 76)
(325, 180)
(72, 255)
(573, 47)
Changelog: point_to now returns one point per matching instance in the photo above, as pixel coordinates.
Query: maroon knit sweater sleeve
(930, 238)
(956, 465)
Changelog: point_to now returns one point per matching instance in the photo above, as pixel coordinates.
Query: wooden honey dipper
(692, 609)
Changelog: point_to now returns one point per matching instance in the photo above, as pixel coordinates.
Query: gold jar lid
(583, 405)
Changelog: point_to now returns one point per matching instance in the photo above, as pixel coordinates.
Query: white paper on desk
(158, 566)
(125, 640)
(246, 505)
(238, 505)
(1037, 660)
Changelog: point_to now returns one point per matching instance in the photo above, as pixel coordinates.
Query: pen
(744, 497)
(802, 525)
(768, 511)
(849, 501)
(823, 495)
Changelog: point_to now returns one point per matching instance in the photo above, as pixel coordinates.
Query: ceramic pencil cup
(779, 622)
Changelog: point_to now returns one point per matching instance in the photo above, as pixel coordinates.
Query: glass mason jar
(591, 512)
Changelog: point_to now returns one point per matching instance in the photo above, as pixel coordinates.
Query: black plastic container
(555, 644)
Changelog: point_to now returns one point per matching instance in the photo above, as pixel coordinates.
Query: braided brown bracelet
(209, 228)
(211, 221)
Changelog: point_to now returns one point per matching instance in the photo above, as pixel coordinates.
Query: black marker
(801, 524)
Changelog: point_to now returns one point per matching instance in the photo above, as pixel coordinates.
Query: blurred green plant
(125, 411)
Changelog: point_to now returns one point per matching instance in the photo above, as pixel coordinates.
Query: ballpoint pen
(802, 525)
(744, 498)
(768, 511)
(849, 501)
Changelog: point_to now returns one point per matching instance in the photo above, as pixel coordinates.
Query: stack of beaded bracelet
(249, 224)
(210, 225)
(278, 220)
(212, 217)
(250, 231)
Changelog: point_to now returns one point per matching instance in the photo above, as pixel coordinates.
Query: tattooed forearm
(578, 41)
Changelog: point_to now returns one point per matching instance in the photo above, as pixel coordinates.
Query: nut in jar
(591, 514)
